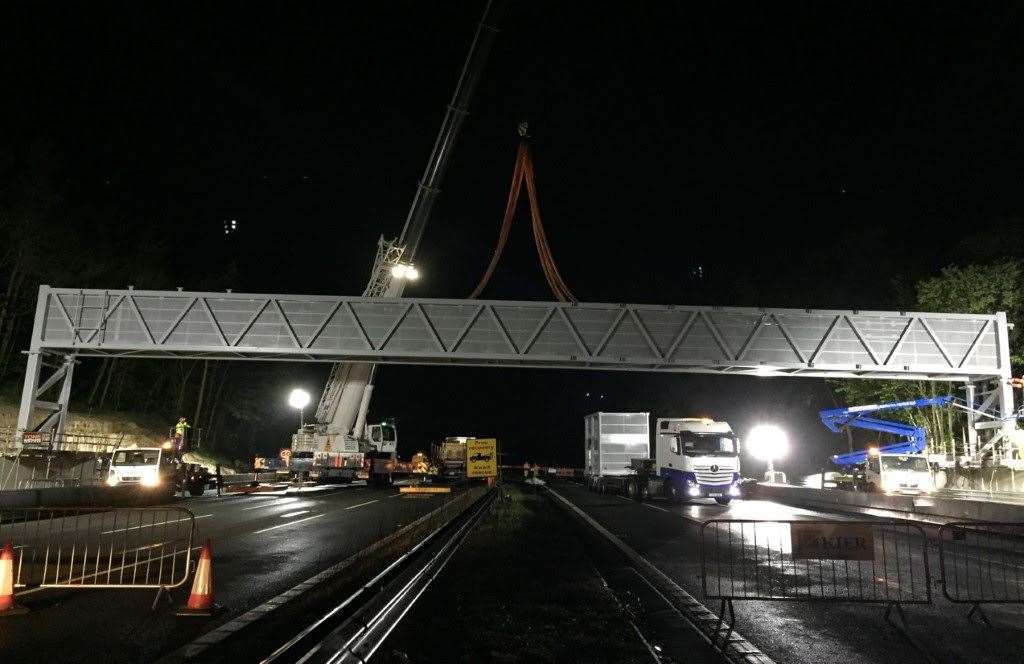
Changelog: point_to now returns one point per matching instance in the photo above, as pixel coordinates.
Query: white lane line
(369, 502)
(628, 500)
(149, 525)
(655, 507)
(291, 514)
(271, 503)
(290, 523)
(395, 495)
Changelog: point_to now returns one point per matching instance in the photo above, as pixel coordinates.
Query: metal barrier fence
(95, 548)
(982, 562)
(815, 561)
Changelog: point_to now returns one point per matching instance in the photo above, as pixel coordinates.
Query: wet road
(798, 632)
(263, 544)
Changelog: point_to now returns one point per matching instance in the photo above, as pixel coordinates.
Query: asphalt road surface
(263, 544)
(804, 632)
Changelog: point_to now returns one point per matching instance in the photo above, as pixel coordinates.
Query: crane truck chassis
(694, 457)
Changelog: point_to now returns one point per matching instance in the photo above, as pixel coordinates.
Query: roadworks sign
(481, 457)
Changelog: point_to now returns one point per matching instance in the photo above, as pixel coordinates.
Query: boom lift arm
(836, 419)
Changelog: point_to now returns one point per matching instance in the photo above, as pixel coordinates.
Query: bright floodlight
(404, 271)
(298, 399)
(767, 442)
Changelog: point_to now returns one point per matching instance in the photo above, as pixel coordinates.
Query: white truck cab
(697, 457)
(146, 466)
(908, 474)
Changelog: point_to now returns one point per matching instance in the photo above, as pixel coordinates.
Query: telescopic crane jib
(341, 412)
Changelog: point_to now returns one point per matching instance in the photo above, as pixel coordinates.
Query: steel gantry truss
(637, 337)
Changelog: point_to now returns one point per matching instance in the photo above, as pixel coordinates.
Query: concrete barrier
(932, 508)
(84, 496)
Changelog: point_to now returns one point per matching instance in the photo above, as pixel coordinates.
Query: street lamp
(299, 399)
(768, 442)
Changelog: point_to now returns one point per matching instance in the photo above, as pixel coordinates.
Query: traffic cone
(7, 605)
(200, 600)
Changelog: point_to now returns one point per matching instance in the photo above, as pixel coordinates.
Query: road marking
(362, 504)
(655, 507)
(148, 525)
(271, 503)
(290, 523)
(395, 495)
(628, 500)
(291, 514)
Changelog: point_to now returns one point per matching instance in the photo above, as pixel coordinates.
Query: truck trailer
(693, 457)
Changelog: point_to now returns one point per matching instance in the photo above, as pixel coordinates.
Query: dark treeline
(55, 231)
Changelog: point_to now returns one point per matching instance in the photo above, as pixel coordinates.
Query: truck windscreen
(916, 464)
(136, 457)
(707, 443)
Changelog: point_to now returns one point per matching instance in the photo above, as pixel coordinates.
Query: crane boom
(346, 397)
(838, 418)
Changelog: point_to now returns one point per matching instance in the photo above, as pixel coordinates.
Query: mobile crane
(339, 445)
(897, 468)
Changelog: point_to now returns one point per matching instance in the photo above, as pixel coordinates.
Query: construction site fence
(99, 548)
(981, 562)
(815, 561)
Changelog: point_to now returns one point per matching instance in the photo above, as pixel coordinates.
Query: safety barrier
(95, 548)
(815, 561)
(982, 562)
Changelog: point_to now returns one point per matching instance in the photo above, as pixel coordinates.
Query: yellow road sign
(481, 457)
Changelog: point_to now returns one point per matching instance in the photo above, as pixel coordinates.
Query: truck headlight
(734, 490)
(150, 480)
(112, 480)
(693, 490)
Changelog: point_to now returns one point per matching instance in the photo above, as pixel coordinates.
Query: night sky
(817, 154)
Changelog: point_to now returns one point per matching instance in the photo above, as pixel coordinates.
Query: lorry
(449, 458)
(694, 457)
(899, 468)
(326, 457)
(156, 469)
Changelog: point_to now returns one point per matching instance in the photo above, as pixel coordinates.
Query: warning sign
(832, 541)
(481, 457)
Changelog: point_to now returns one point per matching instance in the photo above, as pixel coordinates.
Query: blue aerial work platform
(854, 416)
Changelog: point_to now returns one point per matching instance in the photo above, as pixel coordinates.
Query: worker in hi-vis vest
(180, 427)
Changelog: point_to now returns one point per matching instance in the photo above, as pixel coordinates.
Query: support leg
(976, 609)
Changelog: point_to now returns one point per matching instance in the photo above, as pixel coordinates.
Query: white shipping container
(612, 440)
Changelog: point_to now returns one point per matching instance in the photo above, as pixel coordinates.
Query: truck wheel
(643, 492)
(675, 494)
(631, 489)
(723, 501)
(197, 489)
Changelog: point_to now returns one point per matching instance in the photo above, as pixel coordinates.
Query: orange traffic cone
(7, 605)
(200, 600)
